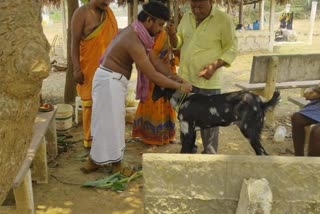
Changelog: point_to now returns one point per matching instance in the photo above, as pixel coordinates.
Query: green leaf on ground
(115, 182)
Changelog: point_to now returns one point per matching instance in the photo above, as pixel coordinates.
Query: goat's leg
(258, 148)
(210, 139)
(187, 137)
(253, 135)
(254, 138)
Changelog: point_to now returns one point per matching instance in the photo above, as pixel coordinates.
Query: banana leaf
(116, 181)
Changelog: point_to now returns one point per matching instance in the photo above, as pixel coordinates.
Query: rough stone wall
(24, 62)
(252, 40)
(176, 183)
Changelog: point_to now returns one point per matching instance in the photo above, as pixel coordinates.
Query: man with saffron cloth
(131, 45)
(93, 26)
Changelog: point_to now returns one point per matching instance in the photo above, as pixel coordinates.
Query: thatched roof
(223, 2)
(254, 1)
(57, 2)
(237, 2)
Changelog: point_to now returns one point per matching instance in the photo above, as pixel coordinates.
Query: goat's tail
(272, 102)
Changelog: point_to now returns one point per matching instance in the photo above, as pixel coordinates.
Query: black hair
(154, 10)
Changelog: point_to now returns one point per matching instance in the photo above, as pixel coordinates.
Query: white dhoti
(109, 91)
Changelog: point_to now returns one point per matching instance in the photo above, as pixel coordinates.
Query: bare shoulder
(131, 39)
(81, 11)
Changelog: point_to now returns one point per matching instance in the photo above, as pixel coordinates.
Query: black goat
(200, 111)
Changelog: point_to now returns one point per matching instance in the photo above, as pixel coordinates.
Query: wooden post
(23, 195)
(40, 167)
(241, 12)
(135, 9)
(176, 12)
(261, 12)
(130, 14)
(51, 138)
(272, 73)
(312, 18)
(271, 25)
(64, 28)
(307, 130)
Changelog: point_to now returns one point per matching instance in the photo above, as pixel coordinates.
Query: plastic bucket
(64, 117)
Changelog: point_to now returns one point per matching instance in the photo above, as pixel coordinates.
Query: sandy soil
(63, 193)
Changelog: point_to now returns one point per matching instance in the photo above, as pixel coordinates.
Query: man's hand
(208, 71)
(78, 77)
(312, 93)
(185, 87)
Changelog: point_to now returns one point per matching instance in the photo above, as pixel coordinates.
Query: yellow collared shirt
(213, 39)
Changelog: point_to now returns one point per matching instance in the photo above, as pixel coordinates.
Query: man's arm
(229, 42)
(77, 25)
(142, 61)
(162, 67)
(171, 29)
(208, 71)
(229, 47)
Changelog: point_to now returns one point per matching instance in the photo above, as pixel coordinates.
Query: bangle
(180, 88)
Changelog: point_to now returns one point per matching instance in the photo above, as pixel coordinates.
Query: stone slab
(202, 181)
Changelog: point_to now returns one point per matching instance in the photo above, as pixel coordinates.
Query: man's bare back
(119, 56)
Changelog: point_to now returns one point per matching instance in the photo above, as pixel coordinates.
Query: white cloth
(109, 90)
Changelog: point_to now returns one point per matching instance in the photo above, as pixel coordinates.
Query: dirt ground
(64, 194)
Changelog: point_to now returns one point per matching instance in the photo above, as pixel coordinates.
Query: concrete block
(196, 183)
(255, 197)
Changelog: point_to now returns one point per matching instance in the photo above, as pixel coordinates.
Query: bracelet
(180, 88)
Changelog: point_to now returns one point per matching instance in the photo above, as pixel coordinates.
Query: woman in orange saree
(154, 122)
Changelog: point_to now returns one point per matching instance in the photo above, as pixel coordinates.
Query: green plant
(116, 181)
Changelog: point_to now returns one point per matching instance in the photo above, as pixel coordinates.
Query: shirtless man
(132, 45)
(92, 28)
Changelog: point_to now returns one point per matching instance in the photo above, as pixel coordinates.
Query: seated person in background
(309, 115)
(286, 18)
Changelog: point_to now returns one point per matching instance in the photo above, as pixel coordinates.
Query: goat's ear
(157, 93)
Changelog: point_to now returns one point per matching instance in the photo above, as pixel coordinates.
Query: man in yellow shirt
(93, 26)
(207, 40)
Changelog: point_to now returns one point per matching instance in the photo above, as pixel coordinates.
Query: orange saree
(154, 122)
(91, 49)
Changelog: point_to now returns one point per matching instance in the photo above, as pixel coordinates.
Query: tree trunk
(70, 86)
(24, 63)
